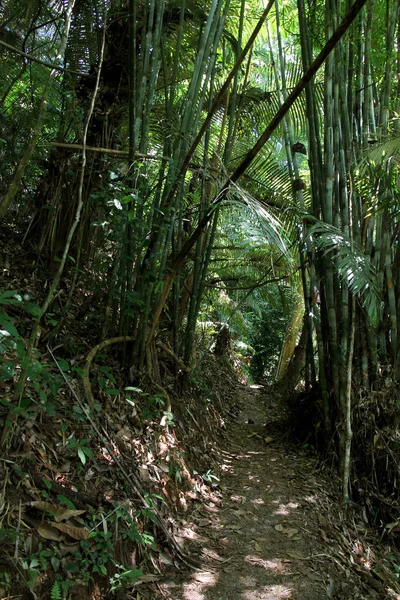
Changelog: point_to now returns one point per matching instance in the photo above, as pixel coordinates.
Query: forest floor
(262, 513)
(277, 526)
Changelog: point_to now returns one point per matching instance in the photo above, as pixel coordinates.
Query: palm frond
(270, 225)
(380, 154)
(353, 266)
(386, 150)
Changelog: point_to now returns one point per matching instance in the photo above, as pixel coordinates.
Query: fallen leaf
(203, 522)
(392, 526)
(65, 467)
(59, 512)
(268, 440)
(290, 532)
(42, 453)
(165, 558)
(314, 576)
(44, 529)
(279, 527)
(234, 528)
(66, 549)
(144, 474)
(224, 542)
(295, 556)
(257, 547)
(48, 532)
(125, 434)
(146, 579)
(89, 474)
(77, 533)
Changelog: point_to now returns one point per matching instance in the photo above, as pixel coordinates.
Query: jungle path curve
(275, 526)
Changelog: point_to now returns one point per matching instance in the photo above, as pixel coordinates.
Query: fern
(56, 591)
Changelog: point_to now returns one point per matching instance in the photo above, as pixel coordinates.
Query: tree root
(89, 359)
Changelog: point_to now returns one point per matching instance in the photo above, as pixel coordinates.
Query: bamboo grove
(132, 131)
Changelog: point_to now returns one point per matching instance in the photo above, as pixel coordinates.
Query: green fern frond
(55, 593)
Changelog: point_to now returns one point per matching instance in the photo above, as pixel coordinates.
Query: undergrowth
(69, 522)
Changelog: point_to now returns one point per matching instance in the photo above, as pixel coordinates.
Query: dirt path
(270, 527)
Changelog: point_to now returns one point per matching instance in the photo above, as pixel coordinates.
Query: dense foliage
(143, 161)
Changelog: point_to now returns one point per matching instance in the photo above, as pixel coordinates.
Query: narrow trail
(270, 526)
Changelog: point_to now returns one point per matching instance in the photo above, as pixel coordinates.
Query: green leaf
(112, 391)
(21, 349)
(50, 408)
(63, 364)
(33, 309)
(82, 456)
(55, 563)
(87, 451)
(352, 265)
(72, 567)
(7, 326)
(10, 297)
(132, 574)
(66, 501)
(34, 563)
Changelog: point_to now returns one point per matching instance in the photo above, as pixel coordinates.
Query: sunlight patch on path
(202, 581)
(257, 501)
(270, 565)
(273, 592)
(285, 509)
